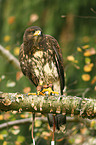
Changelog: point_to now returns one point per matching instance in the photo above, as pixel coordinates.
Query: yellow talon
(49, 91)
(44, 90)
(40, 93)
(31, 93)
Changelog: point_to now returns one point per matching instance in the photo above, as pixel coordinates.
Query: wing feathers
(59, 61)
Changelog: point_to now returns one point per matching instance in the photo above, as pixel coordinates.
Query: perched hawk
(41, 61)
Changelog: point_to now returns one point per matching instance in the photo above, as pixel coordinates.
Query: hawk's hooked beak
(38, 32)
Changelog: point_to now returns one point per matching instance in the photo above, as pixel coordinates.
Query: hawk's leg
(39, 91)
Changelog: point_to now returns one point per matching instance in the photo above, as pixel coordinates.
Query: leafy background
(73, 24)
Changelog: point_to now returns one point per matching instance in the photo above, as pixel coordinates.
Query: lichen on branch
(69, 105)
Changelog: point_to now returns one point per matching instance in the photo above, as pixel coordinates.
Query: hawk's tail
(60, 121)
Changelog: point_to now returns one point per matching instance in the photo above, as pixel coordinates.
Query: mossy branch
(69, 105)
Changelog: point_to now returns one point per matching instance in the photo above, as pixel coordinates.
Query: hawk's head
(33, 34)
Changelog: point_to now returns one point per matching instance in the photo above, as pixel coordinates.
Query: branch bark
(69, 105)
(9, 57)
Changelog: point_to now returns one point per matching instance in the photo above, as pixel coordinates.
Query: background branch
(9, 57)
(24, 121)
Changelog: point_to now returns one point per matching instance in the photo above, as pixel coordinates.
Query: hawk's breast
(44, 66)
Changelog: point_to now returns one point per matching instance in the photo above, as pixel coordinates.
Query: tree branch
(16, 122)
(70, 105)
(24, 121)
(9, 57)
(21, 122)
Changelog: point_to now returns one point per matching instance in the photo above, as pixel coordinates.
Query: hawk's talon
(49, 91)
(31, 94)
(40, 93)
(44, 92)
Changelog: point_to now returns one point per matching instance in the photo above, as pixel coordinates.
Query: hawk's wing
(25, 67)
(59, 61)
(60, 119)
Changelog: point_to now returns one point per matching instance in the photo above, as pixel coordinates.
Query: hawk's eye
(33, 31)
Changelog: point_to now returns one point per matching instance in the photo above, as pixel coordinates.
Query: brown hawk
(41, 61)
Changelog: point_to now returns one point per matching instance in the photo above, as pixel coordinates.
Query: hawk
(41, 61)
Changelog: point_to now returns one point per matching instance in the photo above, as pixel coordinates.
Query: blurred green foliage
(72, 23)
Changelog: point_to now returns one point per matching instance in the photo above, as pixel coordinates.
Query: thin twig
(84, 17)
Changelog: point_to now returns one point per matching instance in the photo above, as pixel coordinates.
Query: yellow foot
(32, 94)
(39, 90)
(49, 91)
(40, 93)
(44, 90)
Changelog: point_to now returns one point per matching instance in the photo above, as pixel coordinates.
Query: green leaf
(20, 139)
(4, 133)
(87, 60)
